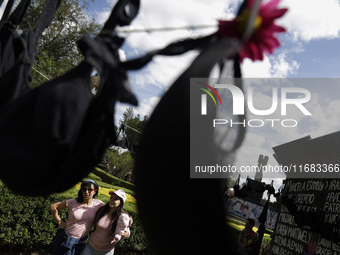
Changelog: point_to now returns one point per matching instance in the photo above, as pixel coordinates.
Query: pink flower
(263, 39)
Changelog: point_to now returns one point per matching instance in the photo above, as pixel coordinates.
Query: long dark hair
(84, 184)
(114, 216)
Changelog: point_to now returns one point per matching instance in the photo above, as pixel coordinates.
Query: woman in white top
(111, 222)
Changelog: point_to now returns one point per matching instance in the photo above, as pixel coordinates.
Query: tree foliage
(135, 122)
(119, 165)
(58, 52)
(231, 181)
(122, 165)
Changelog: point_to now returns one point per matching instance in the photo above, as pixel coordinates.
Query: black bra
(53, 136)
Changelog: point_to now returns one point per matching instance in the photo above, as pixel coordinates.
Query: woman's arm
(123, 225)
(127, 231)
(130, 221)
(54, 211)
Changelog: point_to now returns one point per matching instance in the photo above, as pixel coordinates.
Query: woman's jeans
(64, 244)
(88, 250)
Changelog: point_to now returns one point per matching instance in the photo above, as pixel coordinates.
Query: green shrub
(108, 178)
(137, 241)
(101, 166)
(94, 177)
(265, 246)
(26, 222)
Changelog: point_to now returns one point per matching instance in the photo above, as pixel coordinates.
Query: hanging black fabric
(123, 143)
(14, 55)
(54, 135)
(18, 52)
(162, 172)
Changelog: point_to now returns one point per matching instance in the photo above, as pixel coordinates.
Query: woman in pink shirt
(71, 236)
(110, 224)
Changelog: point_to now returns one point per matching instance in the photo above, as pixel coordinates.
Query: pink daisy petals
(263, 40)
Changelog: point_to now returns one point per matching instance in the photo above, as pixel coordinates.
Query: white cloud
(163, 71)
(122, 55)
(281, 67)
(111, 2)
(254, 145)
(102, 16)
(324, 116)
(270, 67)
(143, 79)
(298, 47)
(146, 107)
(2, 8)
(257, 69)
(311, 19)
(171, 14)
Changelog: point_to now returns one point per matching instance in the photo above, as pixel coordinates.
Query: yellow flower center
(243, 20)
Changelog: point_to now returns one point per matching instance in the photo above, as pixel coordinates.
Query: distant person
(247, 239)
(72, 235)
(111, 223)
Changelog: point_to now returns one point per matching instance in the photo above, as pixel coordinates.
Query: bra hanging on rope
(124, 142)
(54, 135)
(18, 52)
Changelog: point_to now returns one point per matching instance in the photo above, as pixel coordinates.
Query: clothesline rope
(130, 127)
(40, 73)
(131, 29)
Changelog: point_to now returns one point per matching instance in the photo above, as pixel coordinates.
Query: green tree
(231, 181)
(119, 165)
(134, 126)
(58, 52)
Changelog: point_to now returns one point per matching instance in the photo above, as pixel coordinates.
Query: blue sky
(310, 49)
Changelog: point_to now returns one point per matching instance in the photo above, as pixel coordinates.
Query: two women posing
(110, 221)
